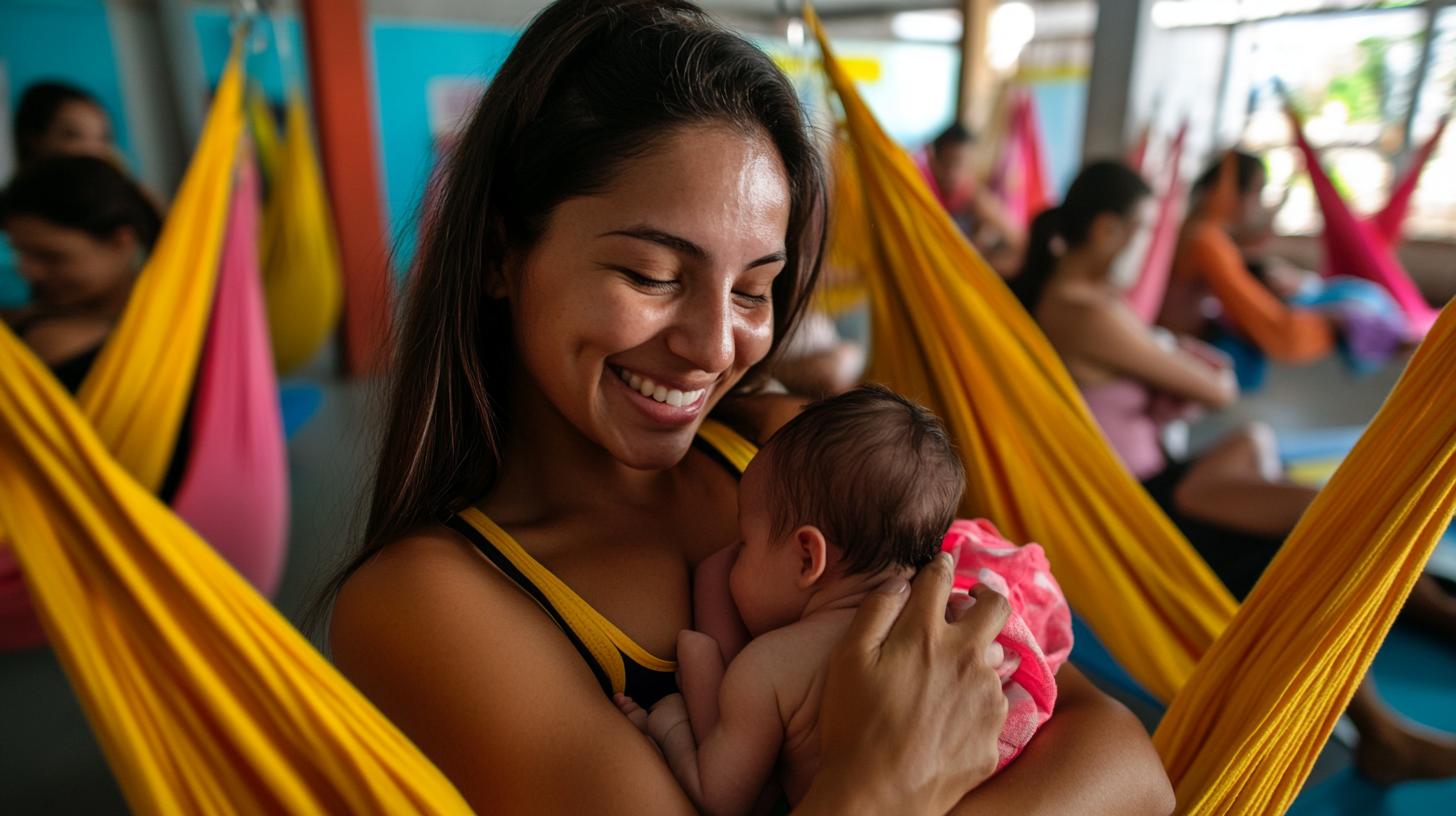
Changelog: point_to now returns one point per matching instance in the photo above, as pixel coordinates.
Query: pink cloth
(235, 490)
(1145, 296)
(1021, 175)
(1038, 635)
(1127, 414)
(1359, 248)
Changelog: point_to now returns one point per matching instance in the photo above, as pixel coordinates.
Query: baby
(854, 490)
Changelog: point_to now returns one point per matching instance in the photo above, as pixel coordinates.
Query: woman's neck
(1080, 268)
(550, 469)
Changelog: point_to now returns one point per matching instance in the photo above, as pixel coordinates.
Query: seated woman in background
(81, 231)
(1232, 502)
(56, 119)
(1210, 278)
(949, 168)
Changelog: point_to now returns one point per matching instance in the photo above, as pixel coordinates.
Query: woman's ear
(813, 553)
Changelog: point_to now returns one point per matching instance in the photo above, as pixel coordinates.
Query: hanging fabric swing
(1020, 179)
(1145, 296)
(301, 274)
(234, 488)
(1247, 722)
(1366, 248)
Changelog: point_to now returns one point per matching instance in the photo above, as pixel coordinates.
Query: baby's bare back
(797, 654)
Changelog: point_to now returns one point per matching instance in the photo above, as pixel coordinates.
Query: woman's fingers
(874, 619)
(931, 591)
(980, 624)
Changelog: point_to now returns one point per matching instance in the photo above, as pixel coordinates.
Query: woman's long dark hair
(36, 111)
(590, 85)
(82, 193)
(1101, 187)
(1248, 168)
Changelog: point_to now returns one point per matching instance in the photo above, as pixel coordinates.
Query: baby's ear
(813, 552)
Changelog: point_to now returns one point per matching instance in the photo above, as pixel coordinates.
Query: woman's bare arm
(1092, 757)
(486, 685)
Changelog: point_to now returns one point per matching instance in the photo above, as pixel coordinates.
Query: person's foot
(1406, 753)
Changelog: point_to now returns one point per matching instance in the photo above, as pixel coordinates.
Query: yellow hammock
(1242, 734)
(301, 276)
(206, 700)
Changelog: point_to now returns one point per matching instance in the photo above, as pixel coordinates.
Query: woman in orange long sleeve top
(1208, 264)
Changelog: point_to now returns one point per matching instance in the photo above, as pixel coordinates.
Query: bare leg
(1393, 749)
(1240, 484)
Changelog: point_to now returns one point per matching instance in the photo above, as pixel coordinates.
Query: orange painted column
(343, 104)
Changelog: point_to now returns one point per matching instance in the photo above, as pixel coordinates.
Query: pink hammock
(1366, 249)
(1139, 151)
(1021, 176)
(1145, 296)
(234, 492)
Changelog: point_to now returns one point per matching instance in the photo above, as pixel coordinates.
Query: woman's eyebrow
(679, 244)
(656, 236)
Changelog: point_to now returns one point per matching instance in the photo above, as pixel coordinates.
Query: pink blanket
(1038, 635)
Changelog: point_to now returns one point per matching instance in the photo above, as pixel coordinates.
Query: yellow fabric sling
(1242, 735)
(301, 274)
(204, 698)
(138, 389)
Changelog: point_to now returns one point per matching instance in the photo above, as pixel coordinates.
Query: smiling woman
(627, 230)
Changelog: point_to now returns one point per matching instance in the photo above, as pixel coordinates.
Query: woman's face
(67, 268)
(78, 129)
(641, 306)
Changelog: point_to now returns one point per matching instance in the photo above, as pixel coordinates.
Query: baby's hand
(670, 714)
(634, 712)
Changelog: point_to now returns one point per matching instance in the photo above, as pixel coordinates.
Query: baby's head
(862, 484)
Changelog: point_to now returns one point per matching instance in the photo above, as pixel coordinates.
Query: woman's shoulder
(429, 579)
(758, 416)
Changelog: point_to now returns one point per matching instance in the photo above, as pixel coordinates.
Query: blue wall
(214, 38)
(408, 54)
(1061, 107)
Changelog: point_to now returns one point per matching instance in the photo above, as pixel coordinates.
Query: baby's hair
(876, 473)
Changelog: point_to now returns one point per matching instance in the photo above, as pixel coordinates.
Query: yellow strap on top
(728, 442)
(600, 636)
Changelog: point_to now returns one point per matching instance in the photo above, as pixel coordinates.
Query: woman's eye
(647, 282)
(754, 300)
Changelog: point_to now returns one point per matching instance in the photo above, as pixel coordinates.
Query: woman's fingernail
(894, 586)
(946, 560)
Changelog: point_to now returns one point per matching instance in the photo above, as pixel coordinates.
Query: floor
(49, 763)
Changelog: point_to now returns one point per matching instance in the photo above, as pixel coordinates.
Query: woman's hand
(912, 705)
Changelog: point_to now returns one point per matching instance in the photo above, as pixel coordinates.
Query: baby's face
(765, 575)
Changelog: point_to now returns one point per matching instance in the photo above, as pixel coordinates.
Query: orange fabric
(1208, 255)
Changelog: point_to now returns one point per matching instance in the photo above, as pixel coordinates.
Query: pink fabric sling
(1145, 296)
(235, 491)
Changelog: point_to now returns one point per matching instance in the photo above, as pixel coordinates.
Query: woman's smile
(660, 400)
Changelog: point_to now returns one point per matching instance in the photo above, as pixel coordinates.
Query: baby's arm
(713, 610)
(725, 771)
(700, 676)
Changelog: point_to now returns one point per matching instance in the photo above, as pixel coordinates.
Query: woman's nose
(703, 334)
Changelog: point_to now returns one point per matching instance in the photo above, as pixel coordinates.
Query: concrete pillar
(1123, 27)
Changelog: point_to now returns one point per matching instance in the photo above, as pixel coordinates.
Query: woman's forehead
(720, 187)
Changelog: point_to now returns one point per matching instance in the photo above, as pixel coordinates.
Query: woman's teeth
(648, 388)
